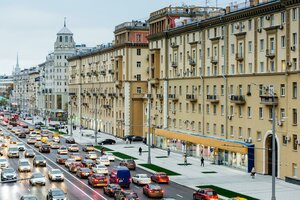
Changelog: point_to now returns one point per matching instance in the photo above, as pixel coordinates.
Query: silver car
(91, 155)
(24, 165)
(13, 152)
(37, 178)
(55, 175)
(8, 174)
(3, 163)
(69, 161)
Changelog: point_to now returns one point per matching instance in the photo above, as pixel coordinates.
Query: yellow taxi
(37, 131)
(238, 198)
(44, 139)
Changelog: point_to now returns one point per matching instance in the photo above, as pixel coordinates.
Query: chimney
(227, 9)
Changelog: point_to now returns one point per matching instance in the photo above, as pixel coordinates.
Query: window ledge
(294, 124)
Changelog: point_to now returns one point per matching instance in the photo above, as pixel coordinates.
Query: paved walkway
(192, 175)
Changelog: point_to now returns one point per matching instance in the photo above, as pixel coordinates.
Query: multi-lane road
(74, 187)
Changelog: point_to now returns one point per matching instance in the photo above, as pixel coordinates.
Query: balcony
(214, 60)
(107, 106)
(174, 65)
(213, 98)
(239, 57)
(237, 99)
(154, 82)
(269, 100)
(192, 62)
(191, 97)
(270, 53)
(160, 96)
(138, 96)
(173, 97)
(72, 94)
(102, 94)
(174, 45)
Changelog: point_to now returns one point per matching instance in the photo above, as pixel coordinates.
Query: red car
(61, 159)
(74, 166)
(205, 194)
(160, 177)
(153, 191)
(83, 172)
(97, 180)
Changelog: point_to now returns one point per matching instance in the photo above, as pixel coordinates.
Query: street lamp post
(148, 114)
(273, 148)
(71, 127)
(96, 124)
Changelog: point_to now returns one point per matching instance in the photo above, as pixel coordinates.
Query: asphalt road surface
(74, 187)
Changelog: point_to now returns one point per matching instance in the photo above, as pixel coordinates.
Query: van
(120, 175)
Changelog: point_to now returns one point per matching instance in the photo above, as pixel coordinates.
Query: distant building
(6, 85)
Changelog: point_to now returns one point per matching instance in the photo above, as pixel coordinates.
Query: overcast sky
(29, 27)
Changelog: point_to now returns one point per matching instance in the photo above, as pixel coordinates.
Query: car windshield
(104, 158)
(109, 154)
(143, 176)
(8, 170)
(13, 149)
(24, 163)
(130, 161)
(29, 151)
(154, 187)
(131, 195)
(75, 154)
(63, 148)
(85, 169)
(38, 175)
(100, 166)
(56, 172)
(39, 158)
(210, 193)
(63, 156)
(2, 160)
(30, 198)
(58, 193)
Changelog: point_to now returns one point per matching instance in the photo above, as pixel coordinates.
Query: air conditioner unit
(134, 76)
(293, 48)
(268, 17)
(289, 63)
(229, 117)
(287, 138)
(297, 142)
(259, 30)
(249, 140)
(279, 123)
(280, 27)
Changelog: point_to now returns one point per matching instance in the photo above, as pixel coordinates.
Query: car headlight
(15, 175)
(44, 161)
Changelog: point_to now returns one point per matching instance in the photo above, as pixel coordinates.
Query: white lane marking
(62, 169)
(179, 195)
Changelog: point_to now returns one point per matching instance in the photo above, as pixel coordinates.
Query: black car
(22, 135)
(137, 138)
(45, 148)
(55, 193)
(39, 161)
(107, 141)
(39, 124)
(29, 153)
(111, 189)
(70, 140)
(38, 127)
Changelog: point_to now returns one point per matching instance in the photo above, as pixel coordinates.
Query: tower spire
(17, 60)
(17, 68)
(65, 22)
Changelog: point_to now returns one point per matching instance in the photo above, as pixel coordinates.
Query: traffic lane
(77, 189)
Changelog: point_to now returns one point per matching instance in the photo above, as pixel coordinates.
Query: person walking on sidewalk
(202, 161)
(169, 151)
(140, 151)
(185, 158)
(253, 172)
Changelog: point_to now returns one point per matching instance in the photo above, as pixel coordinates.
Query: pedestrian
(126, 140)
(185, 158)
(130, 140)
(253, 172)
(202, 161)
(140, 151)
(102, 151)
(169, 151)
(67, 131)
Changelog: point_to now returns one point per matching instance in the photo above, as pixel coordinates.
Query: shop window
(295, 143)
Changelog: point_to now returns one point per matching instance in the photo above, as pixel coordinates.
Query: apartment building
(214, 76)
(107, 85)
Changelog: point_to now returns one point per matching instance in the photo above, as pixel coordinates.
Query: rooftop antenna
(65, 21)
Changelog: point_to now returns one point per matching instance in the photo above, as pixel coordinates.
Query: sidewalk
(194, 175)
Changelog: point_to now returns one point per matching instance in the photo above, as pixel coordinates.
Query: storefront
(219, 151)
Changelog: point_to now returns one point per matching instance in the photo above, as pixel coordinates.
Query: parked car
(73, 148)
(153, 191)
(8, 174)
(160, 177)
(141, 179)
(24, 165)
(70, 140)
(137, 139)
(100, 169)
(56, 193)
(37, 178)
(45, 148)
(111, 189)
(91, 155)
(3, 163)
(88, 147)
(61, 159)
(205, 193)
(107, 141)
(83, 172)
(76, 156)
(39, 160)
(55, 175)
(120, 195)
(29, 153)
(62, 150)
(129, 163)
(120, 175)
(97, 180)
(103, 160)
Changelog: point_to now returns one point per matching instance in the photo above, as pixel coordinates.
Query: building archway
(267, 157)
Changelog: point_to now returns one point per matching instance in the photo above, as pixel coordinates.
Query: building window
(138, 52)
(138, 37)
(282, 90)
(180, 107)
(199, 108)
(258, 135)
(282, 17)
(222, 50)
(250, 67)
(294, 142)
(283, 41)
(232, 48)
(222, 90)
(208, 52)
(240, 111)
(222, 110)
(240, 132)
(260, 113)
(215, 109)
(249, 112)
(294, 39)
(284, 140)
(199, 127)
(249, 24)
(262, 67)
(294, 90)
(232, 69)
(294, 116)
(250, 46)
(249, 133)
(261, 44)
(222, 129)
(294, 14)
(207, 128)
(282, 114)
(207, 109)
(138, 77)
(138, 64)
(138, 90)
(231, 131)
(295, 170)
(215, 129)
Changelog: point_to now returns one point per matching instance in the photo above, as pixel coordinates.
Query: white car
(110, 157)
(37, 178)
(91, 155)
(3, 163)
(69, 161)
(100, 169)
(24, 165)
(141, 179)
(55, 175)
(73, 148)
(31, 140)
(54, 145)
(56, 139)
(38, 137)
(32, 134)
(103, 160)
(62, 150)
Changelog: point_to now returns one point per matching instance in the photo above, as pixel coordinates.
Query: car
(3, 143)
(107, 141)
(31, 128)
(122, 194)
(88, 147)
(70, 140)
(26, 130)
(38, 137)
(103, 160)
(62, 150)
(39, 160)
(54, 145)
(31, 140)
(14, 129)
(55, 194)
(61, 159)
(205, 193)
(141, 179)
(97, 180)
(22, 135)
(55, 175)
(44, 148)
(21, 146)
(13, 141)
(24, 165)
(29, 153)
(8, 174)
(3, 163)
(1, 151)
(56, 139)
(73, 148)
(160, 177)
(69, 161)
(38, 144)
(91, 155)
(153, 191)
(9, 127)
(120, 175)
(111, 189)
(83, 172)
(137, 139)
(110, 156)
(32, 134)
(49, 141)
(74, 166)
(76, 156)
(100, 169)
(28, 197)
(88, 163)
(129, 163)
(13, 152)
(39, 124)
(37, 178)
